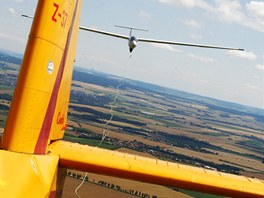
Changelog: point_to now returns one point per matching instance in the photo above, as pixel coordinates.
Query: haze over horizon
(226, 75)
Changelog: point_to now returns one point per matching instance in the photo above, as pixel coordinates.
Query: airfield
(153, 121)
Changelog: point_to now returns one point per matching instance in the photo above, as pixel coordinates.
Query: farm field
(201, 128)
(153, 121)
(92, 189)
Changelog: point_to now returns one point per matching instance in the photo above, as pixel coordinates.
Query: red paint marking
(59, 14)
(54, 14)
(64, 18)
(65, 126)
(43, 138)
(60, 118)
(52, 194)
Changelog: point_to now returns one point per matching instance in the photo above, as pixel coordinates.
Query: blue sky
(231, 76)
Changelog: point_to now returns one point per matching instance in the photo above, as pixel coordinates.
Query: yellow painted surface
(26, 175)
(51, 44)
(97, 160)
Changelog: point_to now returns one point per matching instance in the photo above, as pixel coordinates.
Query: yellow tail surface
(39, 108)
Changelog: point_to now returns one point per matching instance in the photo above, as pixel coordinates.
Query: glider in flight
(33, 156)
(132, 40)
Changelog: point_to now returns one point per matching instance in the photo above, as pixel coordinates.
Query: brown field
(89, 190)
(93, 87)
(121, 136)
(242, 162)
(169, 116)
(93, 190)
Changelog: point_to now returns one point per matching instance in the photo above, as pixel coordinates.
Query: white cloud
(12, 11)
(256, 10)
(192, 23)
(165, 47)
(255, 15)
(260, 67)
(250, 14)
(201, 58)
(242, 54)
(188, 3)
(229, 11)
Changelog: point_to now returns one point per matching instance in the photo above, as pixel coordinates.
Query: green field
(164, 123)
(90, 142)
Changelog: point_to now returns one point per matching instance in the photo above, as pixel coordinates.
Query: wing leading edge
(104, 32)
(186, 44)
(155, 40)
(113, 163)
(150, 40)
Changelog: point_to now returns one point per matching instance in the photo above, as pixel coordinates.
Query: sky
(233, 76)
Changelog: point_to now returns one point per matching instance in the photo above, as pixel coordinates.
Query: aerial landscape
(85, 114)
(150, 120)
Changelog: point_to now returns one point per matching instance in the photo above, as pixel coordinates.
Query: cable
(76, 190)
(105, 130)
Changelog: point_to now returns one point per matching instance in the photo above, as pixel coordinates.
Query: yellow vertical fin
(39, 108)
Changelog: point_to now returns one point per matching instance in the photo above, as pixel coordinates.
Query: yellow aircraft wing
(113, 163)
